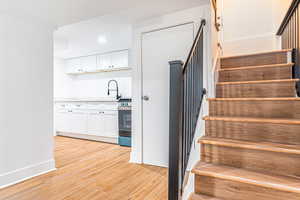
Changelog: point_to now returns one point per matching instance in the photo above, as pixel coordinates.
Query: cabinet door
(77, 122)
(88, 63)
(61, 118)
(119, 59)
(111, 123)
(104, 62)
(74, 66)
(95, 123)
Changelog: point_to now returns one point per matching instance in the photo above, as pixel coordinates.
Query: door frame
(195, 24)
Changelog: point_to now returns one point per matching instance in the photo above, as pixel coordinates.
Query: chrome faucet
(117, 88)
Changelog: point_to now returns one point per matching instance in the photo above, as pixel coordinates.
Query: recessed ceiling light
(102, 40)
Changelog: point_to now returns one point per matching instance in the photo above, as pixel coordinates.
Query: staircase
(251, 147)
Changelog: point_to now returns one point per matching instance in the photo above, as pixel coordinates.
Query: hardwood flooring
(88, 170)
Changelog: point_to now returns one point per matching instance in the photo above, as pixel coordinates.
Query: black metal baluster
(184, 112)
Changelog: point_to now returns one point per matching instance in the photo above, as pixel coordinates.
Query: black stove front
(125, 122)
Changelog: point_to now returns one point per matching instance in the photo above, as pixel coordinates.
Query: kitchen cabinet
(71, 121)
(74, 66)
(89, 63)
(119, 59)
(104, 62)
(78, 118)
(112, 61)
(77, 121)
(95, 123)
(103, 123)
(110, 119)
(61, 121)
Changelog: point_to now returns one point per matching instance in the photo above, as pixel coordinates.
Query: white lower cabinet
(61, 121)
(77, 121)
(100, 123)
(111, 123)
(103, 123)
(95, 123)
(71, 121)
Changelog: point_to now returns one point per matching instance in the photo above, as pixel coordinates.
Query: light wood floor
(92, 171)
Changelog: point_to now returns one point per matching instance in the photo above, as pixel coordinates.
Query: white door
(119, 59)
(159, 48)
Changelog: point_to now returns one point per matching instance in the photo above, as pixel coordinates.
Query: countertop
(100, 99)
(92, 99)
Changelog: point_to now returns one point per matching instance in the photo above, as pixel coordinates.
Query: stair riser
(232, 190)
(267, 73)
(262, 59)
(278, 163)
(263, 90)
(257, 132)
(268, 109)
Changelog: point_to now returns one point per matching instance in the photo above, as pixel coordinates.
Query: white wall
(190, 15)
(251, 25)
(26, 85)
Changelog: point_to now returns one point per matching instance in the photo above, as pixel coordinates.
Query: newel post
(175, 129)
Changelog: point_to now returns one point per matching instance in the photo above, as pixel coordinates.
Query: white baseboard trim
(19, 175)
(112, 140)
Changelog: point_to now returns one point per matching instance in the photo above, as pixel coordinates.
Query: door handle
(146, 98)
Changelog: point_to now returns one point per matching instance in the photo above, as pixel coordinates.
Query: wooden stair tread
(282, 183)
(263, 146)
(256, 99)
(254, 120)
(255, 54)
(194, 196)
(258, 82)
(256, 67)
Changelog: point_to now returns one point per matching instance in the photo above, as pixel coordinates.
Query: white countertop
(98, 99)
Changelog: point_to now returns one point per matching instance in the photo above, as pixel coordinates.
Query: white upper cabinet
(89, 63)
(104, 62)
(74, 65)
(120, 59)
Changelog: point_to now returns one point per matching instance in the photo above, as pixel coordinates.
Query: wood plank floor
(92, 171)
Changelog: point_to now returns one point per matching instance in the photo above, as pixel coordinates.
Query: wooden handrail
(288, 17)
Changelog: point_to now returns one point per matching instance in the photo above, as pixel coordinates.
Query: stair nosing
(256, 67)
(250, 145)
(269, 185)
(257, 82)
(256, 54)
(253, 120)
(256, 99)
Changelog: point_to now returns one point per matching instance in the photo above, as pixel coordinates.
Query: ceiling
(82, 38)
(62, 12)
